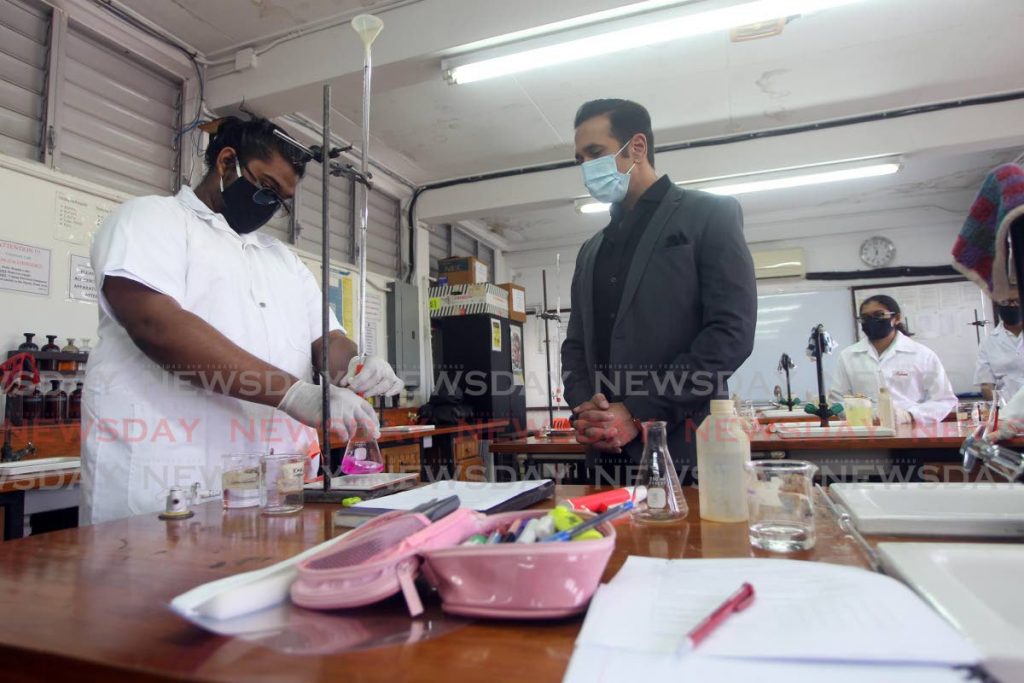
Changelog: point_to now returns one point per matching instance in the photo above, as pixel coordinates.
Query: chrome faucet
(8, 454)
(1003, 461)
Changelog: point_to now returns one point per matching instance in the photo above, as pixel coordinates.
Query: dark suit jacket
(685, 323)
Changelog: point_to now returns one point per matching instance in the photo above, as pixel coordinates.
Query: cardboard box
(463, 270)
(516, 301)
(453, 300)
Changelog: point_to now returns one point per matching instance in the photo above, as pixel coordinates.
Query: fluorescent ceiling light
(779, 179)
(468, 70)
(804, 180)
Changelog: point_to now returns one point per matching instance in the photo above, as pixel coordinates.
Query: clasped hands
(603, 425)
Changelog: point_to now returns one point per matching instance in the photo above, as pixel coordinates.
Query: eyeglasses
(879, 315)
(266, 196)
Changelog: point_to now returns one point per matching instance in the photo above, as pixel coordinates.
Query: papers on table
(809, 621)
(482, 496)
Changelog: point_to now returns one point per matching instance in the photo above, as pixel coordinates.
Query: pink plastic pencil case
(508, 580)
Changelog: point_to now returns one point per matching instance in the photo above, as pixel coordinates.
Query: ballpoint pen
(737, 602)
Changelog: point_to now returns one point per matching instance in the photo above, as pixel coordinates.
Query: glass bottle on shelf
(75, 404)
(32, 405)
(14, 407)
(84, 346)
(49, 347)
(657, 496)
(28, 344)
(68, 365)
(55, 403)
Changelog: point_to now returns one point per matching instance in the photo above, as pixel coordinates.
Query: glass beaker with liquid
(240, 480)
(281, 482)
(781, 505)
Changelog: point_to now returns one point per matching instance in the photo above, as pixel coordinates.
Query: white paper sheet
(802, 611)
(591, 664)
(475, 495)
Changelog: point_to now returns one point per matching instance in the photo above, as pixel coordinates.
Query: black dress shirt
(612, 266)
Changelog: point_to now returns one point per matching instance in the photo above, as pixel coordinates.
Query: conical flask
(362, 455)
(657, 483)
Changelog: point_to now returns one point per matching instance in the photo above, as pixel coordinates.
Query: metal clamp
(845, 522)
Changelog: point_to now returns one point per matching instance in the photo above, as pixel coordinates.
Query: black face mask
(876, 328)
(1010, 315)
(246, 206)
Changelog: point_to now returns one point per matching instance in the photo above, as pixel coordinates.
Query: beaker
(281, 483)
(781, 505)
(657, 479)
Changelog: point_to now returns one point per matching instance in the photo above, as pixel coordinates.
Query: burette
(558, 330)
(368, 27)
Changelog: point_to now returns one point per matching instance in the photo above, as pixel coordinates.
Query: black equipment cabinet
(466, 356)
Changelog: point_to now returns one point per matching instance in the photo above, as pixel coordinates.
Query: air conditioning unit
(779, 263)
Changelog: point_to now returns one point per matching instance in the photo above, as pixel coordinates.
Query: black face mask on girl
(1010, 315)
(246, 206)
(876, 328)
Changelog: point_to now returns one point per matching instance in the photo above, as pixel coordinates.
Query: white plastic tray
(23, 467)
(987, 509)
(835, 430)
(974, 586)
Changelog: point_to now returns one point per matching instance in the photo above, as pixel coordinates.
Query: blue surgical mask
(604, 180)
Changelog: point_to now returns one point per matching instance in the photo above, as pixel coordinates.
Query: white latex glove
(304, 403)
(903, 417)
(375, 378)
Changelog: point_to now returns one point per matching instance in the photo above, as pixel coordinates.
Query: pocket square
(674, 240)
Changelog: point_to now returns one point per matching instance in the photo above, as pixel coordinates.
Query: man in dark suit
(664, 300)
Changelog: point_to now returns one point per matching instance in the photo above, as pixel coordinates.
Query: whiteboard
(939, 315)
(784, 324)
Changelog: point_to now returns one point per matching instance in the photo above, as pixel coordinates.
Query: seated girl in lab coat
(921, 391)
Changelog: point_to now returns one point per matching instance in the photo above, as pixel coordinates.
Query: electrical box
(403, 326)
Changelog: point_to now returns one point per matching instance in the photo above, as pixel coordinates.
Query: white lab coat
(1001, 362)
(145, 429)
(912, 372)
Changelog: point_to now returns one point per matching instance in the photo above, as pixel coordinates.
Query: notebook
(487, 497)
(810, 621)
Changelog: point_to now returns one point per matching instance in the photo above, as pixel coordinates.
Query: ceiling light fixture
(779, 179)
(469, 69)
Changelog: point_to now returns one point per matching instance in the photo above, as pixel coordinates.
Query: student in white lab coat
(209, 332)
(920, 389)
(1000, 363)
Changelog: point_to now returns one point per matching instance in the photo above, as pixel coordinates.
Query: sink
(987, 509)
(973, 585)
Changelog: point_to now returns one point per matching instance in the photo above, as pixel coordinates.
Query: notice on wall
(78, 217)
(495, 335)
(516, 351)
(81, 279)
(348, 298)
(374, 315)
(24, 268)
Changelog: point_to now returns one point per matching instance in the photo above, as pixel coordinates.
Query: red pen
(737, 602)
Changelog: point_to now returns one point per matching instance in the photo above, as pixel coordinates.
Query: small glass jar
(240, 480)
(28, 344)
(68, 365)
(281, 483)
(49, 347)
